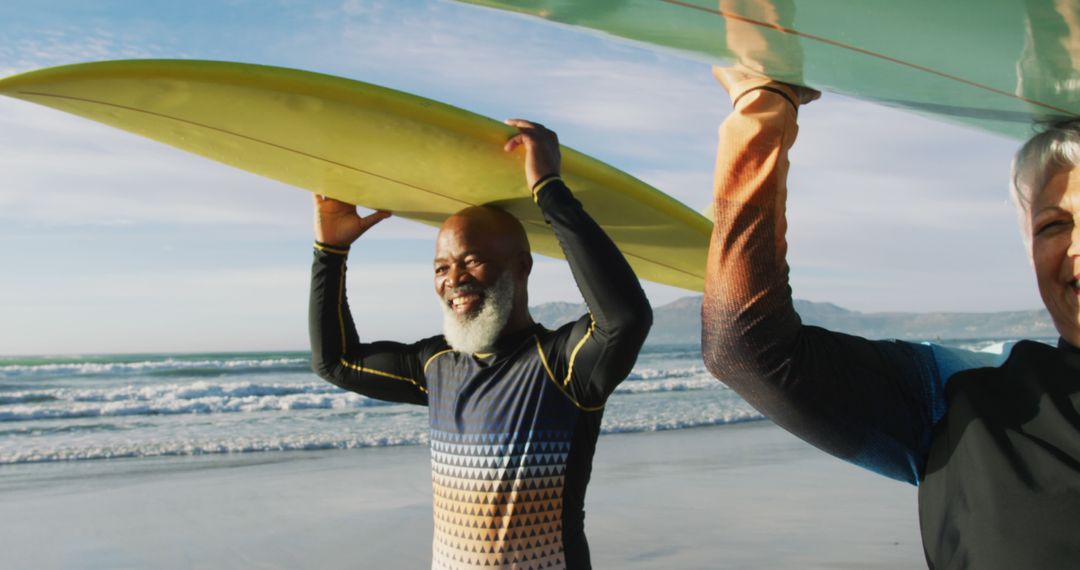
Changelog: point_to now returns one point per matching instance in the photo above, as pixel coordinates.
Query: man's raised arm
(384, 370)
(603, 345)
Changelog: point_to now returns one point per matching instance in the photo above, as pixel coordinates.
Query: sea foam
(101, 407)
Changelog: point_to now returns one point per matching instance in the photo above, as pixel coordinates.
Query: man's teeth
(458, 301)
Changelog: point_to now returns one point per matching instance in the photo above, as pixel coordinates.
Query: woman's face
(1055, 249)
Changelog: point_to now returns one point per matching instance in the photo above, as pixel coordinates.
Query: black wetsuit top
(1002, 482)
(512, 432)
(997, 449)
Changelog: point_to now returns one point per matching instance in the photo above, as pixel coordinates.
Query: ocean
(82, 408)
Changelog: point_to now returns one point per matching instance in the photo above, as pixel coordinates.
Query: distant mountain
(680, 322)
(554, 315)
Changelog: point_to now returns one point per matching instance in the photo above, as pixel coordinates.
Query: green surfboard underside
(997, 65)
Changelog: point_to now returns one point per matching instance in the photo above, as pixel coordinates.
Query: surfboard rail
(367, 145)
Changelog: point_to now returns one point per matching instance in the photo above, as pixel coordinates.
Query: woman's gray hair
(1048, 153)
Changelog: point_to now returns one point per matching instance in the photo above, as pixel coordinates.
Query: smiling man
(514, 408)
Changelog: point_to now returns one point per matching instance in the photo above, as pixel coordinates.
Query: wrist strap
(769, 88)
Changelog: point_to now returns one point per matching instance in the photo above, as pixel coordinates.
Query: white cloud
(66, 44)
(66, 170)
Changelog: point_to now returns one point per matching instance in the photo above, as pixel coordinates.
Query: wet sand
(742, 496)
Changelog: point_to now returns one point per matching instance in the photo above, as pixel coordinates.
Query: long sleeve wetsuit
(512, 432)
(870, 402)
(996, 450)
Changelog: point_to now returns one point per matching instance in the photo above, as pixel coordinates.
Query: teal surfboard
(997, 65)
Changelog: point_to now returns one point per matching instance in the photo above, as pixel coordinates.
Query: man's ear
(525, 263)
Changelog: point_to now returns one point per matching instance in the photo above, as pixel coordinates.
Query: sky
(110, 243)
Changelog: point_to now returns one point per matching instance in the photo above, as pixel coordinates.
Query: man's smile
(466, 301)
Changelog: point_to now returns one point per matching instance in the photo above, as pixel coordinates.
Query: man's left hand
(542, 158)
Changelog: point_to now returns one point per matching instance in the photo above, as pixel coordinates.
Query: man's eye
(472, 262)
(441, 270)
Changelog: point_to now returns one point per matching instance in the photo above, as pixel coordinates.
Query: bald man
(514, 408)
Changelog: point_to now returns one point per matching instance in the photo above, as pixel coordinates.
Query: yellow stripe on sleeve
(359, 368)
(329, 249)
(543, 359)
(344, 347)
(340, 311)
(434, 356)
(543, 184)
(573, 353)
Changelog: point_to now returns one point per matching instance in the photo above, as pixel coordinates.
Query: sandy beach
(740, 496)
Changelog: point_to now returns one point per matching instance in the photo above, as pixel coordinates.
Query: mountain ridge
(679, 321)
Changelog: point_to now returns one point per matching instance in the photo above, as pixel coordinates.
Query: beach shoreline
(740, 496)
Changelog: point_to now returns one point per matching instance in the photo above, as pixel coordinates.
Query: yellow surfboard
(366, 145)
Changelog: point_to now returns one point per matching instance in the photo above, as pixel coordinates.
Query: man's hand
(542, 156)
(338, 224)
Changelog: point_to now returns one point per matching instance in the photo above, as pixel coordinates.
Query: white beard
(472, 334)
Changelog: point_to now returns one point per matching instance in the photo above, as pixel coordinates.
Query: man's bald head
(489, 225)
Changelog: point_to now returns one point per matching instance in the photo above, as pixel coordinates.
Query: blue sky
(112, 243)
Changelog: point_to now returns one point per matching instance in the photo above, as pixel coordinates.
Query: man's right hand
(338, 224)
(542, 155)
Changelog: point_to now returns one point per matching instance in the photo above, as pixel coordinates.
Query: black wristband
(771, 89)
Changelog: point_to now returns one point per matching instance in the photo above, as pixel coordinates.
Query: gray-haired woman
(1046, 189)
(995, 450)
